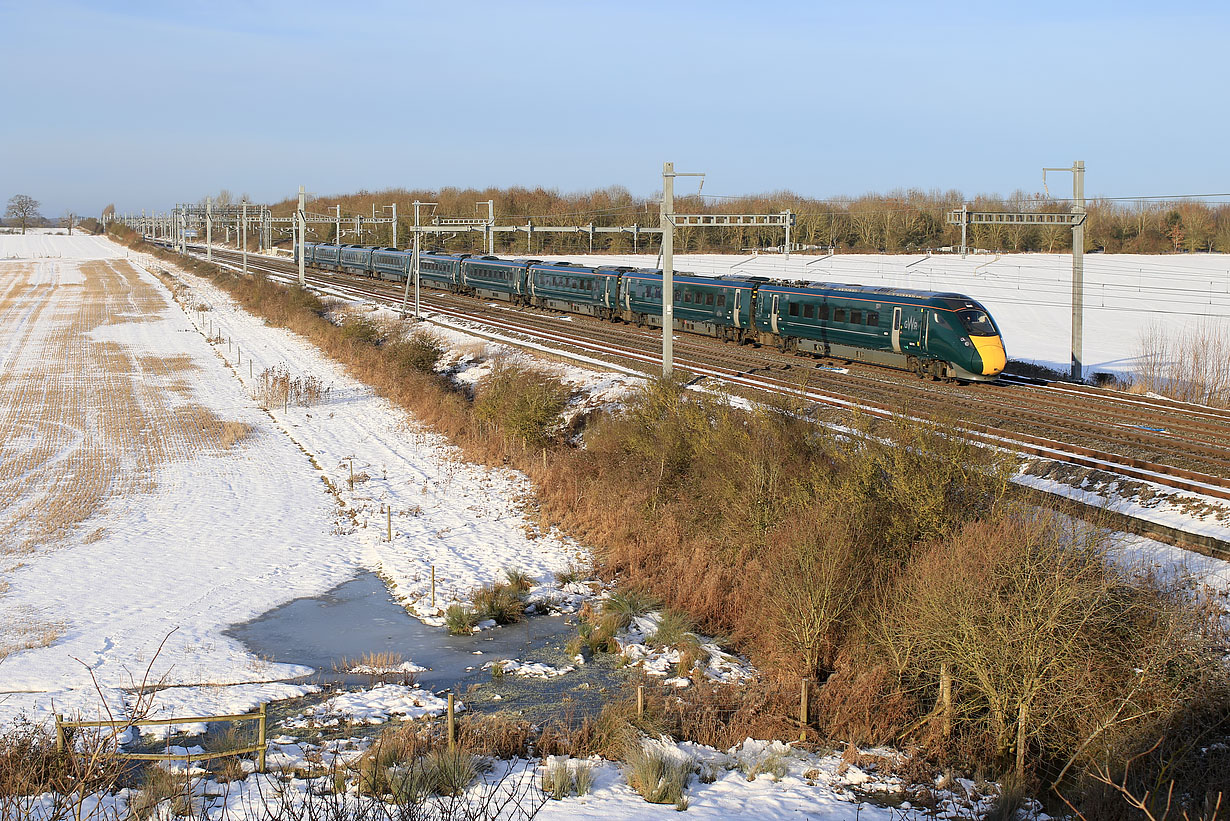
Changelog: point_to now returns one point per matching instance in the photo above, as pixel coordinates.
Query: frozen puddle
(360, 617)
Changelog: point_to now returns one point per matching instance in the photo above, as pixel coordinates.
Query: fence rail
(260, 716)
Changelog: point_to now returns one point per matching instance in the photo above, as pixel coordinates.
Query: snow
(376, 706)
(656, 660)
(38, 244)
(526, 669)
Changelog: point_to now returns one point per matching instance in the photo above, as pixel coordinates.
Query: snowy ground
(220, 535)
(1030, 295)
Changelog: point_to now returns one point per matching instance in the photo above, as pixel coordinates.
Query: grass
(441, 772)
(658, 777)
(380, 666)
(496, 735)
(160, 786)
(628, 604)
(234, 432)
(460, 620)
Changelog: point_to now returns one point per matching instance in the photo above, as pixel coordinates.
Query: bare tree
(24, 209)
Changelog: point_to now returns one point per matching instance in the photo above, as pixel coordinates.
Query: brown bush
(495, 734)
(1052, 650)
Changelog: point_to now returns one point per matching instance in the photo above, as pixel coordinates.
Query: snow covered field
(180, 540)
(1030, 295)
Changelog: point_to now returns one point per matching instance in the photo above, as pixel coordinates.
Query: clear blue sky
(147, 103)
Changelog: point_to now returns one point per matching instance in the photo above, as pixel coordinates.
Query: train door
(909, 329)
(738, 322)
(773, 315)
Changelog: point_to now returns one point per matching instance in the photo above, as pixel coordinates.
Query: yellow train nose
(991, 351)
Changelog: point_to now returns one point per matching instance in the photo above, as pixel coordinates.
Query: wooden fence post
(260, 738)
(452, 735)
(433, 586)
(390, 513)
(640, 701)
(59, 734)
(804, 712)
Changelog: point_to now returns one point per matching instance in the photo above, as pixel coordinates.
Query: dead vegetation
(1191, 366)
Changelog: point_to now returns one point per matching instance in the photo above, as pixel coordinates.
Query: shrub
(1192, 366)
(501, 602)
(660, 778)
(522, 404)
(1054, 647)
(460, 620)
(420, 352)
(499, 735)
(362, 331)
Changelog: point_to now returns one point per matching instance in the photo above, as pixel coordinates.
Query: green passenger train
(938, 335)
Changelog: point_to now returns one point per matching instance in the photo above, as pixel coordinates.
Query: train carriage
(497, 278)
(917, 330)
(442, 271)
(323, 256)
(575, 288)
(719, 306)
(355, 259)
(389, 263)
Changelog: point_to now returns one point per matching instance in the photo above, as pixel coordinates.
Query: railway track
(1107, 434)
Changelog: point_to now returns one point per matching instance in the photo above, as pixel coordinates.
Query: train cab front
(989, 356)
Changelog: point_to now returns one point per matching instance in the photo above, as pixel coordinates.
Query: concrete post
(1078, 270)
(665, 214)
(302, 237)
(243, 235)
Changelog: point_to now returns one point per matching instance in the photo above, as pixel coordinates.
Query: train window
(839, 315)
(708, 299)
(809, 311)
(721, 301)
(822, 313)
(873, 318)
(856, 317)
(794, 309)
(978, 322)
(687, 296)
(657, 292)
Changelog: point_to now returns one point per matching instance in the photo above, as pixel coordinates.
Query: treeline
(897, 222)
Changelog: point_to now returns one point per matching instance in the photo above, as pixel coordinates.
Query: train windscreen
(978, 322)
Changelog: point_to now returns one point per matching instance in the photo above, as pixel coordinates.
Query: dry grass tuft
(234, 432)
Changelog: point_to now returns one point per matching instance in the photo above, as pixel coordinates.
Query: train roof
(693, 279)
(947, 299)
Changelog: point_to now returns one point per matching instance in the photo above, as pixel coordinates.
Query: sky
(145, 104)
